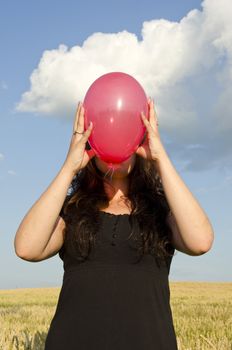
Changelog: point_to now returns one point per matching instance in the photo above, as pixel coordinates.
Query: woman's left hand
(152, 146)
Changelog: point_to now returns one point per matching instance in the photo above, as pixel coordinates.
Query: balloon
(114, 103)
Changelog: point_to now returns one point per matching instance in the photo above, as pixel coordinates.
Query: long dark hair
(149, 206)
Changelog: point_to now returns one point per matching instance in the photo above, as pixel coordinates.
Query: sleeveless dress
(110, 303)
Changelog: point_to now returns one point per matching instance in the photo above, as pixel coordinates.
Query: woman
(116, 232)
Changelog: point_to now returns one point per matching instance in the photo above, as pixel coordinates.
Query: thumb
(141, 152)
(91, 153)
(87, 133)
(138, 151)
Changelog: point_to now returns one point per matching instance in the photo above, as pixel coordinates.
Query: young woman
(116, 233)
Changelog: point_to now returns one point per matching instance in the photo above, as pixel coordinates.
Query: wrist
(67, 171)
(160, 158)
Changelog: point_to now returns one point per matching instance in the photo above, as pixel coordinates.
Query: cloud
(209, 189)
(186, 66)
(1, 156)
(11, 172)
(3, 85)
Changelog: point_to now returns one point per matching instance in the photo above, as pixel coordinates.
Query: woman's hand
(78, 157)
(152, 146)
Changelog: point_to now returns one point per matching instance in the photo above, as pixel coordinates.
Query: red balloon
(114, 103)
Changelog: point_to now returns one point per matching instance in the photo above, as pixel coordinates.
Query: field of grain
(202, 314)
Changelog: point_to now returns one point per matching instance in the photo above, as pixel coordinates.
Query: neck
(120, 186)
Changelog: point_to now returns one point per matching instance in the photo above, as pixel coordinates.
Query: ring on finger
(76, 132)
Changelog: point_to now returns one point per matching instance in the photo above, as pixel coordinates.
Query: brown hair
(148, 202)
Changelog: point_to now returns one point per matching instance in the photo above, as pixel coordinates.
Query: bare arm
(192, 231)
(40, 234)
(36, 228)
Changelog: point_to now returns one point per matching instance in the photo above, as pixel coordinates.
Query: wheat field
(202, 315)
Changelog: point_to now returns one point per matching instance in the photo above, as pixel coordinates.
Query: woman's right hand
(78, 157)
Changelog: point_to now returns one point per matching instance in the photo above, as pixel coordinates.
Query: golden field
(202, 314)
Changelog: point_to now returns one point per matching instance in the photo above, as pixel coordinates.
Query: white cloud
(186, 66)
(3, 85)
(11, 172)
(1, 156)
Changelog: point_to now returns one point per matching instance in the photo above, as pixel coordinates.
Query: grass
(202, 315)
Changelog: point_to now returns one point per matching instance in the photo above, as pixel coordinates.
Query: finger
(80, 125)
(87, 133)
(146, 122)
(152, 114)
(76, 116)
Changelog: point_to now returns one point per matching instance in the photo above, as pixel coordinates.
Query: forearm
(37, 225)
(194, 226)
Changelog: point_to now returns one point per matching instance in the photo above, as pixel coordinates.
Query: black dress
(109, 303)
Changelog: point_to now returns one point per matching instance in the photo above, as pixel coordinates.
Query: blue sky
(182, 59)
